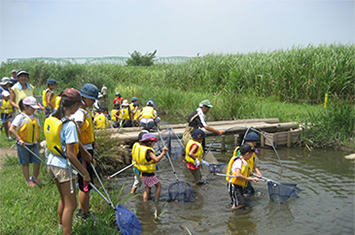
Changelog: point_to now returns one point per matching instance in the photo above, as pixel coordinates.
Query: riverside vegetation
(239, 86)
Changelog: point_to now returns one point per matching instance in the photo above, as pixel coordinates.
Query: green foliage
(33, 210)
(239, 86)
(137, 59)
(331, 126)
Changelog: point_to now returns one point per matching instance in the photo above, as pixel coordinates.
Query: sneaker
(9, 138)
(79, 214)
(36, 181)
(30, 183)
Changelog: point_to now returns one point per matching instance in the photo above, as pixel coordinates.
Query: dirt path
(4, 152)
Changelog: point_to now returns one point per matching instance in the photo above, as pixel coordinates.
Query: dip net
(280, 192)
(181, 191)
(216, 167)
(127, 222)
(172, 141)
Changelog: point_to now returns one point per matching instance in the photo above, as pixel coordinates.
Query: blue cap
(90, 91)
(198, 134)
(252, 136)
(134, 99)
(52, 81)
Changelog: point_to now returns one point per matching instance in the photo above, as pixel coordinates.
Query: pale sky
(174, 28)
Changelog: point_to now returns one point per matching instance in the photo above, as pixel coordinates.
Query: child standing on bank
(49, 97)
(7, 113)
(193, 155)
(83, 117)
(62, 132)
(239, 169)
(26, 129)
(146, 164)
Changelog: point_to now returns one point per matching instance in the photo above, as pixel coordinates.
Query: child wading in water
(146, 164)
(63, 133)
(137, 179)
(26, 129)
(193, 155)
(239, 168)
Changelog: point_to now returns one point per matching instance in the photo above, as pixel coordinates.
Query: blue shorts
(25, 157)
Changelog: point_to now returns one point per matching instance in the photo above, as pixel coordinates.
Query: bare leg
(157, 191)
(26, 172)
(68, 205)
(36, 167)
(84, 201)
(146, 194)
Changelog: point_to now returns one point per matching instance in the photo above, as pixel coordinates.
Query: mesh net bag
(181, 191)
(280, 192)
(127, 221)
(172, 141)
(216, 167)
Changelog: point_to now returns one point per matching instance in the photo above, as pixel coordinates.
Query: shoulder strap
(192, 118)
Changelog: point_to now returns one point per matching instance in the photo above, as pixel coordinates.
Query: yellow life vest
(21, 94)
(147, 112)
(87, 128)
(134, 152)
(52, 128)
(245, 171)
(136, 115)
(6, 107)
(251, 161)
(100, 121)
(30, 130)
(131, 106)
(142, 164)
(44, 97)
(57, 101)
(113, 117)
(188, 149)
(126, 114)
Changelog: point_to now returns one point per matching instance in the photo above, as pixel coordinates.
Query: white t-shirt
(202, 117)
(78, 116)
(21, 118)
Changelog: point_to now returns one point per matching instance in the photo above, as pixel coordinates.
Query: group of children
(69, 126)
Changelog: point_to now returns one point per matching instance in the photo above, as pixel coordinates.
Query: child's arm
(13, 131)
(85, 153)
(240, 176)
(49, 97)
(74, 160)
(192, 151)
(155, 158)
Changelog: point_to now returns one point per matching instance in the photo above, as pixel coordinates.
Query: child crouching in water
(26, 129)
(146, 164)
(239, 169)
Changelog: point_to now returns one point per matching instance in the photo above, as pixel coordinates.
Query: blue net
(127, 221)
(172, 141)
(280, 192)
(181, 191)
(216, 167)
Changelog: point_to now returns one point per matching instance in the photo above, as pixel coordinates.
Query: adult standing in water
(197, 120)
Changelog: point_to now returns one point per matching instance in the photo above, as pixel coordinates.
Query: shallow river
(325, 206)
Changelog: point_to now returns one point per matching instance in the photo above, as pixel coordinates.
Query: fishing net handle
(118, 172)
(167, 154)
(91, 184)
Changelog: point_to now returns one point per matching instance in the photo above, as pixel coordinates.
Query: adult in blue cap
(197, 120)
